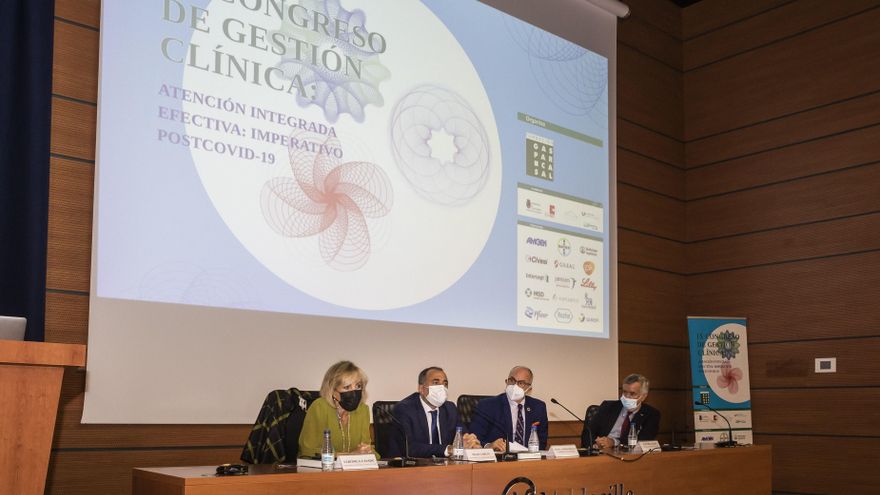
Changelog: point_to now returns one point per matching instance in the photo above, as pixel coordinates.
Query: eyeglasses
(522, 383)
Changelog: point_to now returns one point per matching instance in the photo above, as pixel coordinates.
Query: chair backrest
(591, 411)
(466, 405)
(382, 425)
(275, 435)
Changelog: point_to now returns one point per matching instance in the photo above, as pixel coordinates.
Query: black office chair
(591, 411)
(466, 405)
(275, 435)
(383, 426)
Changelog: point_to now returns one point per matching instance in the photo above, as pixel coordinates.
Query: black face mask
(350, 400)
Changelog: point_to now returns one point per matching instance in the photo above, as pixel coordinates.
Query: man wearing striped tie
(511, 415)
(613, 421)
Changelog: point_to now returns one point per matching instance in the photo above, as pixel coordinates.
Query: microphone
(407, 460)
(506, 456)
(730, 441)
(586, 427)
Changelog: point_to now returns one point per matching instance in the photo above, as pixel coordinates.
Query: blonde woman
(343, 410)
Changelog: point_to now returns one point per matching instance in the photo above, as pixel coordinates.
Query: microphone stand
(730, 441)
(407, 460)
(590, 451)
(507, 455)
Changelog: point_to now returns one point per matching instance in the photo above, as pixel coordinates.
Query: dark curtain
(26, 34)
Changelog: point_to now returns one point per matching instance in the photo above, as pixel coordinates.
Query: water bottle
(458, 445)
(327, 453)
(633, 438)
(534, 443)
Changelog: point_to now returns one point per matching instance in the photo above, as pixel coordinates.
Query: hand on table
(499, 445)
(604, 442)
(363, 448)
(471, 441)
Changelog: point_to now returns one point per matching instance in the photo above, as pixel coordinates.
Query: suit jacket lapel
(505, 418)
(422, 421)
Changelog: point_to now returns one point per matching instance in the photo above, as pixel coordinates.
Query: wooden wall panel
(838, 194)
(810, 411)
(835, 62)
(648, 92)
(815, 123)
(810, 464)
(71, 186)
(651, 307)
(649, 212)
(824, 298)
(662, 15)
(67, 317)
(73, 129)
(635, 138)
(707, 16)
(646, 38)
(814, 157)
(646, 173)
(662, 365)
(840, 236)
(775, 24)
(109, 472)
(792, 364)
(649, 251)
(75, 62)
(86, 12)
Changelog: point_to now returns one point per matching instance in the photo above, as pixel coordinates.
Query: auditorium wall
(781, 130)
(97, 459)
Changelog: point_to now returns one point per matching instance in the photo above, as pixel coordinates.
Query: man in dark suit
(427, 419)
(613, 421)
(511, 414)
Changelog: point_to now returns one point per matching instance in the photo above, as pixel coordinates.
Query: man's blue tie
(435, 430)
(520, 426)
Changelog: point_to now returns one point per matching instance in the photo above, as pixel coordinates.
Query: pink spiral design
(329, 199)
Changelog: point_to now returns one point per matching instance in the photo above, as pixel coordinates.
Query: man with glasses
(511, 414)
(613, 421)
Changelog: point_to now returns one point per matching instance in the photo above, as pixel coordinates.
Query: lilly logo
(588, 283)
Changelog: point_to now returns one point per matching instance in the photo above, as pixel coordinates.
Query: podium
(30, 387)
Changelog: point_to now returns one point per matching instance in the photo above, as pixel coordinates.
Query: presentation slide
(434, 162)
(282, 184)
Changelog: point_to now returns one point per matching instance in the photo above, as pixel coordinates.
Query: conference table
(742, 471)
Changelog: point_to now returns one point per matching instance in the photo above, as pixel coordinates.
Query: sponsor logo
(582, 317)
(563, 315)
(563, 264)
(589, 250)
(534, 314)
(535, 276)
(536, 241)
(536, 294)
(588, 302)
(528, 292)
(535, 259)
(563, 246)
(567, 299)
(567, 282)
(588, 283)
(589, 267)
(552, 210)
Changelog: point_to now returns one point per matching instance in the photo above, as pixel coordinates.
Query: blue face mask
(628, 403)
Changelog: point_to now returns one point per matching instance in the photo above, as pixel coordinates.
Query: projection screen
(283, 184)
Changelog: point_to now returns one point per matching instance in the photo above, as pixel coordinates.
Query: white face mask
(437, 395)
(515, 393)
(629, 403)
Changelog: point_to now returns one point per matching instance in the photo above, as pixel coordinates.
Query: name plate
(528, 456)
(479, 455)
(562, 451)
(649, 445)
(358, 462)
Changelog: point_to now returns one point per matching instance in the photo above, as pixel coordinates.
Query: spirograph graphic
(574, 78)
(335, 92)
(429, 109)
(329, 199)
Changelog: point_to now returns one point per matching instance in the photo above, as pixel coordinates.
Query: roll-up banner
(720, 378)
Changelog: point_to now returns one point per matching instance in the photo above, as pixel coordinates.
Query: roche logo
(535, 259)
(563, 246)
(536, 241)
(563, 315)
(589, 267)
(588, 283)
